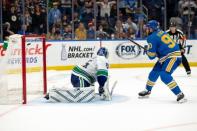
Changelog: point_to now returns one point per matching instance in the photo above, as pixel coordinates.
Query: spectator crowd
(94, 19)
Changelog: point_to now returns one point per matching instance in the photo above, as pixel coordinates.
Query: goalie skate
(107, 95)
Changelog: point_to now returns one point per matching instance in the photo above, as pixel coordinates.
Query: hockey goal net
(23, 69)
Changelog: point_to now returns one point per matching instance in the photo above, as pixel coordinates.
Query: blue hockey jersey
(161, 45)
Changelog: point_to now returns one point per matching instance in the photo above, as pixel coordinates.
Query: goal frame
(24, 69)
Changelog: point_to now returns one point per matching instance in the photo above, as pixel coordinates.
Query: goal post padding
(25, 69)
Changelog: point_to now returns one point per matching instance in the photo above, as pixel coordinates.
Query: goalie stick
(112, 89)
(131, 40)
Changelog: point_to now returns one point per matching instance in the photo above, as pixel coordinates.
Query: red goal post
(24, 69)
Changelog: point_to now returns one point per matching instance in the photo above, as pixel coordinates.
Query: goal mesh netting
(23, 69)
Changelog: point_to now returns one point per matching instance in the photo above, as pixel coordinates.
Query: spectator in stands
(91, 31)
(171, 12)
(23, 30)
(130, 33)
(13, 19)
(87, 16)
(122, 17)
(105, 25)
(54, 15)
(18, 5)
(187, 8)
(76, 20)
(67, 33)
(30, 6)
(105, 7)
(84, 5)
(80, 32)
(4, 11)
(66, 7)
(130, 7)
(130, 24)
(155, 7)
(65, 20)
(28, 20)
(38, 21)
(119, 30)
(139, 15)
(57, 35)
(6, 31)
(113, 15)
(139, 18)
(70, 30)
(78, 5)
(101, 34)
(51, 34)
(89, 4)
(42, 3)
(194, 27)
(127, 5)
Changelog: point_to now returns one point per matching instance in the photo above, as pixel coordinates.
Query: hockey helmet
(153, 24)
(103, 52)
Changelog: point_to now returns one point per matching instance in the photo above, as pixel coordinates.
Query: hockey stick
(137, 44)
(112, 89)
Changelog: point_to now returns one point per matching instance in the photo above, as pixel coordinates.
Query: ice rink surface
(125, 112)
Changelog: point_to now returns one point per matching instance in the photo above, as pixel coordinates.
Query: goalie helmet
(153, 24)
(103, 52)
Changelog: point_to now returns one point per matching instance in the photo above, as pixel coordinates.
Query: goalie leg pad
(81, 95)
(106, 94)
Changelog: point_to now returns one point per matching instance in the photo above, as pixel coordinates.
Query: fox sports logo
(128, 50)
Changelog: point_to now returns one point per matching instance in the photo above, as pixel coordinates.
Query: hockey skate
(105, 94)
(144, 94)
(46, 96)
(189, 73)
(181, 98)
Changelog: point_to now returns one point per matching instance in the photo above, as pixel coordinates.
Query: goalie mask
(103, 52)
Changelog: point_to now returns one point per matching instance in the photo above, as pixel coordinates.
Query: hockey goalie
(83, 78)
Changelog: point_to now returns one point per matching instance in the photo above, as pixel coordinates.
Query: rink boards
(62, 55)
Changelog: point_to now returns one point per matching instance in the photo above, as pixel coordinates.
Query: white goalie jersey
(96, 69)
(90, 71)
(96, 66)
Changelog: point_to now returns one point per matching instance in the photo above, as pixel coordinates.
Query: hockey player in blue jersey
(163, 47)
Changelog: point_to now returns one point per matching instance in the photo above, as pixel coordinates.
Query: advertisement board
(64, 54)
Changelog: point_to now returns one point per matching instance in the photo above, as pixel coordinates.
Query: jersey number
(168, 40)
(87, 64)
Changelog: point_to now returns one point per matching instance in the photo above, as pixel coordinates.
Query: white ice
(125, 112)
